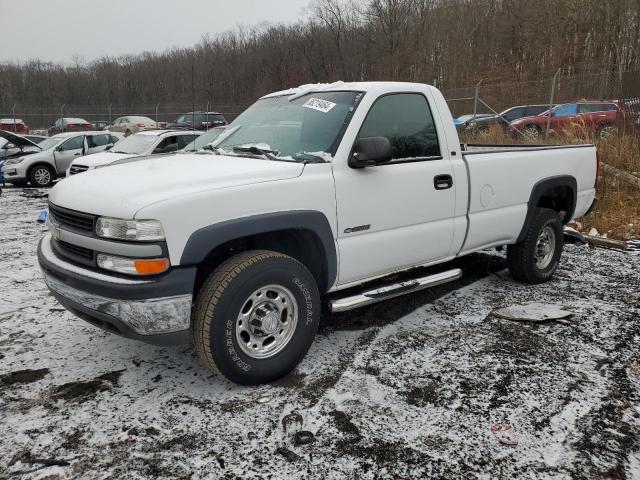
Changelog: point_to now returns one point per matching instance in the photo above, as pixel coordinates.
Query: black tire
(524, 265)
(224, 297)
(41, 176)
(18, 183)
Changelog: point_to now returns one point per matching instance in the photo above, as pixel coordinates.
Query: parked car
(12, 145)
(238, 251)
(198, 121)
(69, 125)
(204, 140)
(599, 117)
(42, 168)
(504, 119)
(35, 138)
(132, 124)
(99, 125)
(462, 121)
(150, 142)
(14, 125)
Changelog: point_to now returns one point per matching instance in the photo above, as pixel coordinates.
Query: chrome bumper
(140, 309)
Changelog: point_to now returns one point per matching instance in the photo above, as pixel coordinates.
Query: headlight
(133, 266)
(14, 161)
(137, 230)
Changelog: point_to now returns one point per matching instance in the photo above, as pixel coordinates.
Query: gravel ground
(409, 388)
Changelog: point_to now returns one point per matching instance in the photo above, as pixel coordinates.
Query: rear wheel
(256, 316)
(536, 258)
(41, 176)
(532, 132)
(607, 131)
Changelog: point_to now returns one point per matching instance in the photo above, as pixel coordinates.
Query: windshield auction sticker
(318, 104)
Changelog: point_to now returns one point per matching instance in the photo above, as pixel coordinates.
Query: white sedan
(152, 142)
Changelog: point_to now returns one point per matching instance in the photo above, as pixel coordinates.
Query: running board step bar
(395, 290)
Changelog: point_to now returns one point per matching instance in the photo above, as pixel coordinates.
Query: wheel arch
(558, 193)
(42, 163)
(304, 235)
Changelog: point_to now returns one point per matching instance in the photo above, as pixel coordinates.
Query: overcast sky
(58, 30)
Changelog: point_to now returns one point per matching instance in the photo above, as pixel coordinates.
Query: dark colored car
(504, 119)
(99, 125)
(462, 121)
(599, 117)
(198, 121)
(14, 125)
(69, 125)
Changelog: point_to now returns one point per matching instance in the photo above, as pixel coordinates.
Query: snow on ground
(405, 389)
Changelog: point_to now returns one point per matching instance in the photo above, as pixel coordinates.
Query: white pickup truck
(311, 199)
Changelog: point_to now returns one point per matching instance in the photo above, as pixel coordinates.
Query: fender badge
(359, 228)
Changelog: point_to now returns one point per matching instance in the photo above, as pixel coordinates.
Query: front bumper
(156, 311)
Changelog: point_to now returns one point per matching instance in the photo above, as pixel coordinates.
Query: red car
(14, 125)
(70, 125)
(599, 117)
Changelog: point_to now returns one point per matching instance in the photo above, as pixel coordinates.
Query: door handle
(77, 154)
(442, 182)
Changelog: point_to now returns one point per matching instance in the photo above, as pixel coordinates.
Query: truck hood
(121, 190)
(102, 158)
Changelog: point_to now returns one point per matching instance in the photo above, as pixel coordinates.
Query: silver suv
(42, 168)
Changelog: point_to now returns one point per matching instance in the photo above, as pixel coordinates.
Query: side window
(74, 143)
(113, 139)
(532, 111)
(98, 140)
(184, 140)
(406, 120)
(514, 114)
(169, 144)
(566, 110)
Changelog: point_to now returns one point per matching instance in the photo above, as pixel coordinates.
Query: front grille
(78, 169)
(76, 250)
(83, 222)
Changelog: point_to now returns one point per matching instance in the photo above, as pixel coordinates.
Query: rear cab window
(406, 120)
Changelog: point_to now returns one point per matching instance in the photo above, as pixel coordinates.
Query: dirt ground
(409, 388)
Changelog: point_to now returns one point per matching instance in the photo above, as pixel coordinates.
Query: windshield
(307, 125)
(134, 144)
(51, 142)
(204, 139)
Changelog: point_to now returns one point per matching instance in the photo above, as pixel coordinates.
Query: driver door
(398, 214)
(68, 152)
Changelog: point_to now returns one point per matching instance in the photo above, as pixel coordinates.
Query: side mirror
(370, 151)
(108, 147)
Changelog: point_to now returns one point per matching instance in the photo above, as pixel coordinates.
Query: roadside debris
(303, 437)
(533, 312)
(504, 433)
(43, 216)
(595, 240)
(292, 422)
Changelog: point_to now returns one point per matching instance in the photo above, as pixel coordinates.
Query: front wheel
(536, 258)
(256, 316)
(41, 176)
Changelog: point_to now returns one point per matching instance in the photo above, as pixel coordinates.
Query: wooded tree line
(451, 42)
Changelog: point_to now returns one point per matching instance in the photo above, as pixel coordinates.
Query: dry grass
(618, 209)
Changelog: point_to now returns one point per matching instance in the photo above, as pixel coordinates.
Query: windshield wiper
(310, 157)
(211, 148)
(258, 151)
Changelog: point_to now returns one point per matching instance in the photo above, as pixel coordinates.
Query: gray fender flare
(542, 186)
(204, 240)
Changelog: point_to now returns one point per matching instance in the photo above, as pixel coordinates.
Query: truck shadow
(474, 267)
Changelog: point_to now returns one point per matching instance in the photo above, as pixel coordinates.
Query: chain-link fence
(480, 98)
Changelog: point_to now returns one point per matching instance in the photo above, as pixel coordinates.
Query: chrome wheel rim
(532, 133)
(267, 321)
(42, 176)
(545, 247)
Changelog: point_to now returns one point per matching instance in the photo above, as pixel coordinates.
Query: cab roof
(350, 86)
